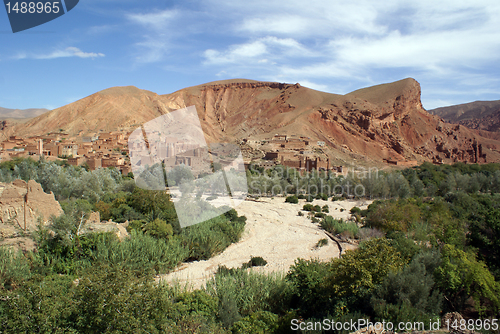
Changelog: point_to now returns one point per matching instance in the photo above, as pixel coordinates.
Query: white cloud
(156, 20)
(332, 40)
(313, 85)
(68, 52)
(156, 32)
(255, 51)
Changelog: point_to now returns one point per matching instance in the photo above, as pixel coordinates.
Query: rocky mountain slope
(480, 115)
(381, 122)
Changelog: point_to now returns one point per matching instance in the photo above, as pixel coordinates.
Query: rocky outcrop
(22, 204)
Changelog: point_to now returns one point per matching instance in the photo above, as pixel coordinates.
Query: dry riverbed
(275, 232)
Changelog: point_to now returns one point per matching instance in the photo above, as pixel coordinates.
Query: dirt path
(275, 232)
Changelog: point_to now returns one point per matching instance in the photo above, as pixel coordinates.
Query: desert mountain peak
(388, 91)
(124, 91)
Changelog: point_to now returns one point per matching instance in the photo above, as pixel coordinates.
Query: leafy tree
(307, 278)
(157, 204)
(409, 294)
(354, 276)
(461, 276)
(398, 215)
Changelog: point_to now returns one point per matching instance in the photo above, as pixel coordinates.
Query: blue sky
(451, 47)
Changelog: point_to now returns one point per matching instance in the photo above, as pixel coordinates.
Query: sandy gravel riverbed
(275, 232)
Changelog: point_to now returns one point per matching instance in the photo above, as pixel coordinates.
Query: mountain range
(480, 115)
(383, 122)
(6, 113)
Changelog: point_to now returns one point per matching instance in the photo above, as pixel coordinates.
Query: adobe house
(76, 161)
(67, 150)
(268, 164)
(8, 145)
(279, 137)
(94, 163)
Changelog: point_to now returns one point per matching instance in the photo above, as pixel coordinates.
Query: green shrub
(301, 213)
(323, 197)
(249, 291)
(292, 199)
(223, 270)
(317, 208)
(257, 261)
(260, 322)
(159, 229)
(325, 209)
(307, 278)
(338, 226)
(401, 215)
(308, 207)
(211, 237)
(142, 253)
(409, 294)
(200, 303)
(355, 210)
(319, 215)
(322, 242)
(309, 198)
(352, 278)
(301, 196)
(136, 225)
(14, 267)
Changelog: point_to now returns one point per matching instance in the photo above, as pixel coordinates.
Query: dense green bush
(255, 261)
(260, 322)
(211, 237)
(338, 226)
(14, 268)
(248, 292)
(307, 278)
(159, 228)
(355, 210)
(460, 277)
(292, 199)
(308, 207)
(409, 294)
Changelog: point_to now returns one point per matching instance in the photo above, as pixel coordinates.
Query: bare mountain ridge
(6, 113)
(380, 122)
(480, 115)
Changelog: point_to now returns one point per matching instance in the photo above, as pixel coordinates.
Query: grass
(338, 226)
(322, 242)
